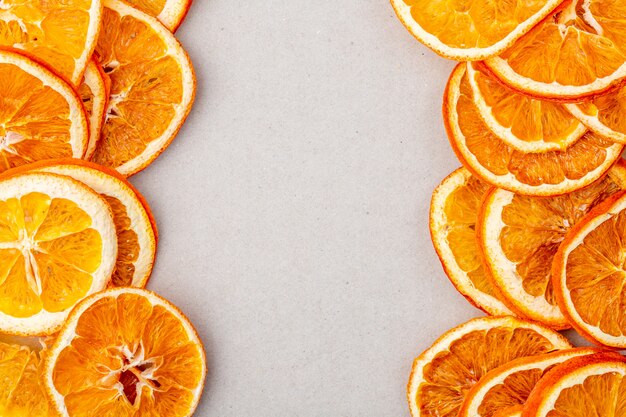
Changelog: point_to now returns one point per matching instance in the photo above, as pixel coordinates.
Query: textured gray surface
(293, 207)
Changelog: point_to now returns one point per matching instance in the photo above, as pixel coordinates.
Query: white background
(293, 207)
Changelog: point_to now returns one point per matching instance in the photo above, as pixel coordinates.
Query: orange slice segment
(94, 94)
(60, 33)
(520, 235)
(491, 159)
(126, 352)
(524, 123)
(453, 214)
(470, 30)
(460, 358)
(152, 88)
(603, 114)
(576, 52)
(588, 274)
(57, 246)
(169, 12)
(41, 117)
(505, 389)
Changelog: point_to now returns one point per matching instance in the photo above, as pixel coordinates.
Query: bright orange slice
(581, 387)
(41, 117)
(576, 52)
(126, 352)
(520, 235)
(470, 30)
(57, 246)
(604, 114)
(524, 123)
(60, 33)
(492, 160)
(94, 94)
(152, 88)
(460, 358)
(169, 12)
(588, 274)
(453, 214)
(503, 390)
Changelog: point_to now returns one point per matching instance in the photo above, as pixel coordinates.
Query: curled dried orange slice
(604, 114)
(491, 159)
(443, 374)
(94, 94)
(125, 352)
(453, 214)
(169, 12)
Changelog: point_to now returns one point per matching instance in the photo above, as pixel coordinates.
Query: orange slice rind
(169, 12)
(94, 94)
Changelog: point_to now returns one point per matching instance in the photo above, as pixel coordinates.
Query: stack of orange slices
(532, 228)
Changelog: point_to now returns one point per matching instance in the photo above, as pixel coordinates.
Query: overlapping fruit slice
(460, 358)
(60, 33)
(152, 88)
(604, 114)
(470, 30)
(520, 235)
(94, 93)
(491, 159)
(125, 352)
(57, 245)
(581, 387)
(524, 123)
(41, 117)
(453, 214)
(504, 390)
(576, 52)
(169, 12)
(588, 274)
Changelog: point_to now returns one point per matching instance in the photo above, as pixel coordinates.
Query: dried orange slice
(520, 235)
(453, 213)
(505, 389)
(491, 159)
(125, 352)
(152, 88)
(584, 386)
(134, 223)
(94, 93)
(470, 30)
(60, 33)
(460, 358)
(604, 114)
(169, 12)
(588, 274)
(524, 123)
(41, 116)
(57, 246)
(576, 52)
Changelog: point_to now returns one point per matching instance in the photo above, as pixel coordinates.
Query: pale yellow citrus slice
(57, 246)
(491, 159)
(524, 123)
(94, 94)
(520, 235)
(443, 373)
(576, 52)
(604, 114)
(505, 389)
(470, 30)
(60, 33)
(125, 352)
(152, 88)
(169, 12)
(453, 214)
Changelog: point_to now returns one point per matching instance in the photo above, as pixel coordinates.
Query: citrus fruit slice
(60, 33)
(57, 245)
(505, 389)
(125, 352)
(169, 12)
(134, 223)
(588, 275)
(94, 93)
(41, 116)
(152, 88)
(584, 386)
(576, 52)
(20, 391)
(520, 235)
(526, 124)
(453, 213)
(491, 159)
(604, 114)
(443, 374)
(470, 30)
